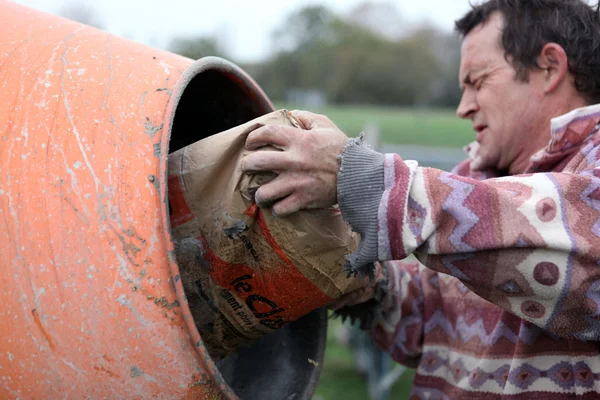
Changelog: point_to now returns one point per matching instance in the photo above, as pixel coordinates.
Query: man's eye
(478, 83)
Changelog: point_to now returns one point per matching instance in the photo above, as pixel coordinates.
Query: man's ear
(553, 60)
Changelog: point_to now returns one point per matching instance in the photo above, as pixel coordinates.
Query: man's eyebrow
(466, 80)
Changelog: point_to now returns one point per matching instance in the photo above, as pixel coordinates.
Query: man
(506, 300)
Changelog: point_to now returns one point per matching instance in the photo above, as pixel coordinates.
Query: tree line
(367, 56)
(352, 59)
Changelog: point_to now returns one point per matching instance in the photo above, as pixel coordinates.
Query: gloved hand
(306, 161)
(362, 304)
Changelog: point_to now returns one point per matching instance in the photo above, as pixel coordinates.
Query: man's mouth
(480, 129)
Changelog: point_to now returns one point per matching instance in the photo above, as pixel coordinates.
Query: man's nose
(467, 106)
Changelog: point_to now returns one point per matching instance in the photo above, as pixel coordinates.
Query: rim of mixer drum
(245, 82)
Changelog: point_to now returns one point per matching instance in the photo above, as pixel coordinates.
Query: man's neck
(561, 108)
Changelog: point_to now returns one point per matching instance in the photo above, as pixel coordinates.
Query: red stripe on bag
(276, 295)
(180, 211)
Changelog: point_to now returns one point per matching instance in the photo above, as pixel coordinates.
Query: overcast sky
(246, 25)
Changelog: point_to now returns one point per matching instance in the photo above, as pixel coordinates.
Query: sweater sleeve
(399, 322)
(529, 243)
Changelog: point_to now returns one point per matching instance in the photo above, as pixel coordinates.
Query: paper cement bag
(247, 273)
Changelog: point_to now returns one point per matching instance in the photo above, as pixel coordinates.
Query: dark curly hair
(531, 24)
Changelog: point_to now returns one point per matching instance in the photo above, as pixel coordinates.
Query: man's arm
(530, 244)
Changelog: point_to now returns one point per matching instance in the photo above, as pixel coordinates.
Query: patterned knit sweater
(505, 302)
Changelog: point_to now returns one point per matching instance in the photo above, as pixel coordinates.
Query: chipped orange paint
(109, 372)
(84, 237)
(38, 322)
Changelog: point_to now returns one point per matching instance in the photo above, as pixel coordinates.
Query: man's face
(508, 115)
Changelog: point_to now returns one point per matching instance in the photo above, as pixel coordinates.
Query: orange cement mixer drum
(89, 307)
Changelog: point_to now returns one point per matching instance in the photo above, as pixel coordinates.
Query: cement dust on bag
(245, 272)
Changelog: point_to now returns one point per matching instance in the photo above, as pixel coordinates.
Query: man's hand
(364, 304)
(306, 162)
(365, 293)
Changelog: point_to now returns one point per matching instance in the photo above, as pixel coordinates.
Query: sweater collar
(568, 133)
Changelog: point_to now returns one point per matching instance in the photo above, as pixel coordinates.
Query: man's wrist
(360, 187)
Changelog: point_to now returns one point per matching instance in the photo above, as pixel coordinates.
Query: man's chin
(478, 163)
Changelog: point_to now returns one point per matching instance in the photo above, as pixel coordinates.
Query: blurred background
(388, 68)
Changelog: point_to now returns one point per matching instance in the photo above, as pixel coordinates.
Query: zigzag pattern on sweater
(467, 332)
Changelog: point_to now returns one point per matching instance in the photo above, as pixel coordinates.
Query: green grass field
(400, 125)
